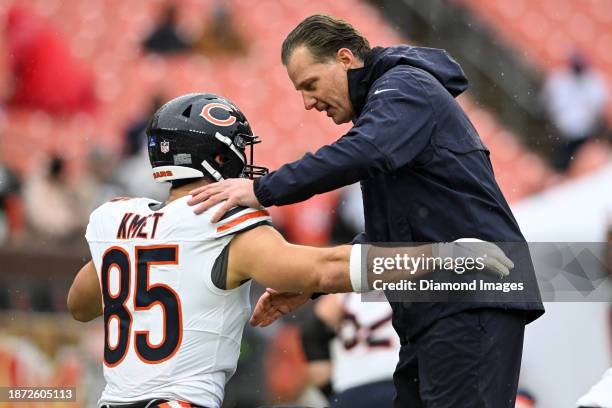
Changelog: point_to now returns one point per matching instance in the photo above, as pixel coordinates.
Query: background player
(353, 344)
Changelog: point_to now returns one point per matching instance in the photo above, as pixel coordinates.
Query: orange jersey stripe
(164, 405)
(184, 404)
(260, 213)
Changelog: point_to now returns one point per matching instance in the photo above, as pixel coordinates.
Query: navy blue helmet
(188, 135)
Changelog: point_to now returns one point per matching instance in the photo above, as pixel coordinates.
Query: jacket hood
(435, 61)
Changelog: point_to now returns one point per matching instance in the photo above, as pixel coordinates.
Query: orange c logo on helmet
(215, 121)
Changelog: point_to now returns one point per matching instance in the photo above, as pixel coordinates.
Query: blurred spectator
(52, 209)
(97, 185)
(46, 75)
(309, 223)
(135, 134)
(285, 366)
(133, 173)
(358, 339)
(165, 37)
(11, 214)
(575, 99)
(220, 35)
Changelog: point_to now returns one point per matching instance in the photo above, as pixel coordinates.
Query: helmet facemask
(252, 171)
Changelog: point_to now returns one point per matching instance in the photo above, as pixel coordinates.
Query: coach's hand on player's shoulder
(272, 305)
(234, 192)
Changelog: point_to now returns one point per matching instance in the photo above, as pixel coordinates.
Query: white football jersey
(366, 347)
(170, 331)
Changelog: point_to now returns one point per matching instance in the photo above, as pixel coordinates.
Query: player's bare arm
(264, 255)
(273, 304)
(84, 297)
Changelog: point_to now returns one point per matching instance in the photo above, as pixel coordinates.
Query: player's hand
(494, 259)
(272, 305)
(234, 192)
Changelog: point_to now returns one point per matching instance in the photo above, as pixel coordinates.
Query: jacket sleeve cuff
(262, 194)
(360, 238)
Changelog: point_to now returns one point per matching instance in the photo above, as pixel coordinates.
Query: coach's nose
(309, 101)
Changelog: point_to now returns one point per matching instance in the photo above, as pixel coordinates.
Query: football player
(173, 288)
(353, 345)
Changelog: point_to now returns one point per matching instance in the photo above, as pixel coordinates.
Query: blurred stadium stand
(107, 36)
(508, 48)
(546, 31)
(499, 79)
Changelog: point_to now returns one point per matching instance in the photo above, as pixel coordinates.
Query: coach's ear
(346, 58)
(84, 298)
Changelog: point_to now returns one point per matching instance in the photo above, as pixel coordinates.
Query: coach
(425, 177)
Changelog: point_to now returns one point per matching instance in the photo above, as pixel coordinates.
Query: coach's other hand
(234, 192)
(272, 305)
(494, 259)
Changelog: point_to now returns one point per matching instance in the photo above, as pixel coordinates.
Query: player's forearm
(331, 267)
(332, 270)
(308, 269)
(336, 267)
(263, 254)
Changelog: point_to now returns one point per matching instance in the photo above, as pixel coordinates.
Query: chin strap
(211, 170)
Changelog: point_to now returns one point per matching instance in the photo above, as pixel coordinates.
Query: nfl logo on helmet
(164, 146)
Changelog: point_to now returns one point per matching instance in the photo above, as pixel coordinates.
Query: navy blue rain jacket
(425, 174)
